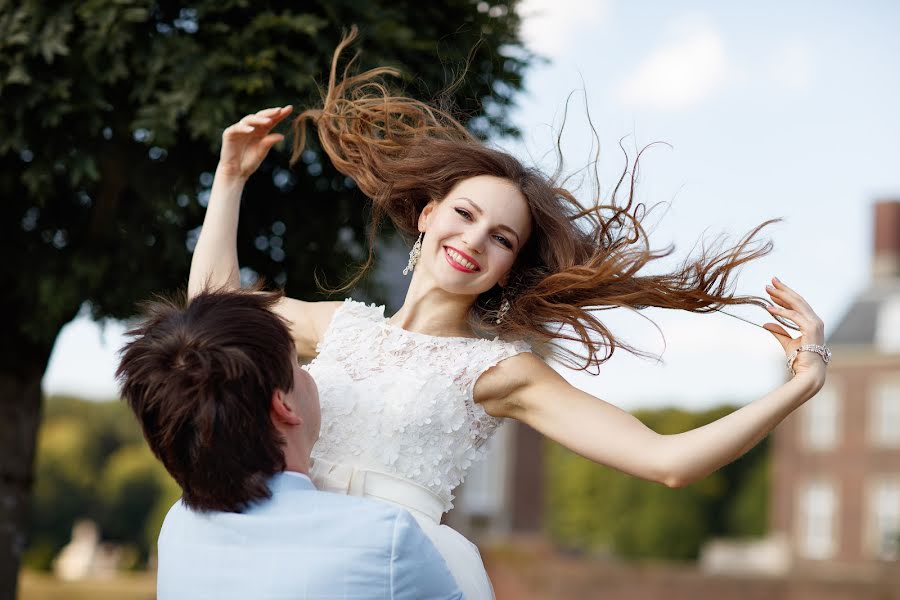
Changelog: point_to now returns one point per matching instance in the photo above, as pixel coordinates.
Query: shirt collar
(290, 480)
(297, 474)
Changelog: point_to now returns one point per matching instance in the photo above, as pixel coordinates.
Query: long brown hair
(403, 153)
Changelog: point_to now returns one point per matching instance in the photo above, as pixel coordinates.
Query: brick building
(836, 461)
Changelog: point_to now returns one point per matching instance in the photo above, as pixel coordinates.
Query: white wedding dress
(399, 422)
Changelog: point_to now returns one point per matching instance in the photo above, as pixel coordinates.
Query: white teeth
(459, 259)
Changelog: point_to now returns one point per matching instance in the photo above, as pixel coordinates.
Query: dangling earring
(504, 308)
(414, 255)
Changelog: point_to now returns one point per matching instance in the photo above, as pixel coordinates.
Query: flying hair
(579, 260)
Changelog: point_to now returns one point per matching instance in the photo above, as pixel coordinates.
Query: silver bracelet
(822, 351)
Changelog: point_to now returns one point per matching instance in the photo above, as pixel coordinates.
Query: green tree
(747, 512)
(63, 491)
(169, 492)
(92, 462)
(112, 116)
(593, 508)
(128, 491)
(658, 522)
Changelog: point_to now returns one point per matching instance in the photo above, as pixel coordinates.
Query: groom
(225, 406)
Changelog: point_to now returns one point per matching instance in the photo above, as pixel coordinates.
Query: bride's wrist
(812, 379)
(230, 174)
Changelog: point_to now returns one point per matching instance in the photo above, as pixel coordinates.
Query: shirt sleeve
(418, 570)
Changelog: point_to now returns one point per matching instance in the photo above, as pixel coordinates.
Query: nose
(474, 240)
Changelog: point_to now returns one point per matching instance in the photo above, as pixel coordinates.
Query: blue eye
(468, 217)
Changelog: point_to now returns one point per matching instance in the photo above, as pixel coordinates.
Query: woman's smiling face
(472, 236)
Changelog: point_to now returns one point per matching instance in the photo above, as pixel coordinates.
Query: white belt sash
(346, 479)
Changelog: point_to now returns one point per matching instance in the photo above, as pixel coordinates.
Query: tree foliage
(92, 463)
(111, 123)
(113, 112)
(130, 491)
(595, 508)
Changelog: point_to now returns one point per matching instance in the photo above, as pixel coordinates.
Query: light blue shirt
(300, 544)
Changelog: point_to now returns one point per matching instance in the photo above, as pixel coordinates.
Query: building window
(884, 518)
(887, 333)
(820, 418)
(484, 493)
(818, 520)
(884, 414)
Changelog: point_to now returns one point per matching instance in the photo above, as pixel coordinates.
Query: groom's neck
(297, 464)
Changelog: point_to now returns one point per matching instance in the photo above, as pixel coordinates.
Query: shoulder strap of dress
(489, 354)
(481, 424)
(360, 310)
(350, 314)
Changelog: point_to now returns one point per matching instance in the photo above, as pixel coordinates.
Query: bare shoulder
(308, 321)
(499, 388)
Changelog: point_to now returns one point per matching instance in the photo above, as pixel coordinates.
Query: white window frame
(882, 540)
(485, 492)
(887, 334)
(884, 412)
(821, 419)
(818, 519)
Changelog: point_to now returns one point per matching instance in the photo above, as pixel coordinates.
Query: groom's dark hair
(200, 375)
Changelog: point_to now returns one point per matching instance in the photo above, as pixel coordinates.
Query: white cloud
(688, 68)
(548, 25)
(792, 67)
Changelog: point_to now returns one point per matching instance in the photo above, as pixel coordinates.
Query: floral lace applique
(401, 402)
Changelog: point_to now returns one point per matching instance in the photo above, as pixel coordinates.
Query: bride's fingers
(238, 128)
(268, 112)
(777, 329)
(778, 298)
(783, 337)
(786, 322)
(270, 140)
(788, 298)
(793, 315)
(812, 328)
(254, 121)
(267, 123)
(790, 294)
(281, 114)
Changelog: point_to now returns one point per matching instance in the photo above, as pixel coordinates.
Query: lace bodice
(401, 402)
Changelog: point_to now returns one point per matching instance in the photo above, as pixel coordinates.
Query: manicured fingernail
(776, 279)
(769, 287)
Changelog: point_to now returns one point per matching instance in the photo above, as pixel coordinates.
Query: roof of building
(873, 319)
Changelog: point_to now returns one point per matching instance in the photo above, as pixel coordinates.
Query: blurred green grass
(127, 586)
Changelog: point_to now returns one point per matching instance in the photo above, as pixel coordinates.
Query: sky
(767, 110)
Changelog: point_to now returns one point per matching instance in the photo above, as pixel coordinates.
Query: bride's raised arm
(244, 146)
(215, 262)
(525, 388)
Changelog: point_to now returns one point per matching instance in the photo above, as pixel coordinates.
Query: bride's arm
(525, 388)
(215, 262)
(244, 146)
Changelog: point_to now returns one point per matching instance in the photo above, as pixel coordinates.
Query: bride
(503, 258)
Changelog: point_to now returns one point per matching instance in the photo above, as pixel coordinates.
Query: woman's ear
(425, 215)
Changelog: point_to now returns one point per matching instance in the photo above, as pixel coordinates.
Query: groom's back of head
(199, 376)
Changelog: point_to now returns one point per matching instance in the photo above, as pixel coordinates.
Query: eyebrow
(481, 212)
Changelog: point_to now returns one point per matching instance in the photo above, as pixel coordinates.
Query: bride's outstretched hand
(246, 143)
(790, 305)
